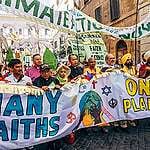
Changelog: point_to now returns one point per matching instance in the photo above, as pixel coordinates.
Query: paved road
(134, 138)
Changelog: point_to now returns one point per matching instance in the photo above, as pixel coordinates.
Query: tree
(9, 55)
(50, 59)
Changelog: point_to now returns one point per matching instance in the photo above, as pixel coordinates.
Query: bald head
(110, 59)
(91, 62)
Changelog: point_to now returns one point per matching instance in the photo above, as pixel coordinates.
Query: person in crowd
(128, 64)
(17, 76)
(2, 78)
(110, 62)
(25, 68)
(34, 71)
(130, 69)
(6, 70)
(140, 64)
(91, 70)
(118, 64)
(62, 74)
(76, 70)
(45, 80)
(144, 71)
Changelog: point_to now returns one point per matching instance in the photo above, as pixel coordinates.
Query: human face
(128, 61)
(62, 73)
(74, 61)
(46, 74)
(111, 60)
(37, 60)
(92, 63)
(17, 70)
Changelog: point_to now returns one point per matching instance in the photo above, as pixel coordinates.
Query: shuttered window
(86, 1)
(98, 14)
(114, 9)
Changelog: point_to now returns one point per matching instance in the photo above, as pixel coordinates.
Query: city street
(74, 74)
(133, 138)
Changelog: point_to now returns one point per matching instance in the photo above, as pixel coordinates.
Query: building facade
(119, 13)
(26, 37)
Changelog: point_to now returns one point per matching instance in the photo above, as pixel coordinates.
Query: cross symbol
(94, 83)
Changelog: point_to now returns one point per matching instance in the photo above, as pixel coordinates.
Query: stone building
(119, 13)
(24, 36)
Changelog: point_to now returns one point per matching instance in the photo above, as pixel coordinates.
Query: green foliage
(49, 58)
(9, 55)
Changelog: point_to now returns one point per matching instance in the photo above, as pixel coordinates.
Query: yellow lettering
(131, 87)
(127, 105)
(148, 103)
(135, 108)
(144, 87)
(142, 103)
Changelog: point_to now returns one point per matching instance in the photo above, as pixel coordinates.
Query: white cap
(147, 55)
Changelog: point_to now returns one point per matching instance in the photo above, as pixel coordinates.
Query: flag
(89, 76)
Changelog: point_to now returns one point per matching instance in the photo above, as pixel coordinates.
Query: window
(10, 30)
(20, 31)
(114, 9)
(1, 30)
(46, 31)
(98, 12)
(55, 44)
(86, 1)
(29, 31)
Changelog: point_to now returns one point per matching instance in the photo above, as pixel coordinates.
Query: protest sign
(28, 120)
(87, 45)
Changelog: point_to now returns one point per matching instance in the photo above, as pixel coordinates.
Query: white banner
(59, 5)
(28, 120)
(70, 21)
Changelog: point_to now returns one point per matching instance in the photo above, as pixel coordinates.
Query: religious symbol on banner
(106, 90)
(71, 117)
(94, 83)
(82, 88)
(113, 103)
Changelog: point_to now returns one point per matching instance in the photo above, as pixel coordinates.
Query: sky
(59, 4)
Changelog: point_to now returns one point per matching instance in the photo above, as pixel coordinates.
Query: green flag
(50, 59)
(9, 55)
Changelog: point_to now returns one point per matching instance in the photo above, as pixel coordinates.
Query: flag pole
(136, 48)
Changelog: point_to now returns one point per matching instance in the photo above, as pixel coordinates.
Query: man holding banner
(17, 76)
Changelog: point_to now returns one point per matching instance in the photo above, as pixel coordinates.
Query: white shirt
(23, 81)
(109, 66)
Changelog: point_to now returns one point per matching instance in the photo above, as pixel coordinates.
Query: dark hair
(69, 57)
(35, 56)
(14, 62)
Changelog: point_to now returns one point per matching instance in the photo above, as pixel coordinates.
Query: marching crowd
(42, 76)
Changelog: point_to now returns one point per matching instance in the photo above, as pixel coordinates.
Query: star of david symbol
(106, 90)
(113, 103)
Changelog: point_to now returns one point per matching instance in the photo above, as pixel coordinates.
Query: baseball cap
(44, 67)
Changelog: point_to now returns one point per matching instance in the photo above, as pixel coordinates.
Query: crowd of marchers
(42, 75)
